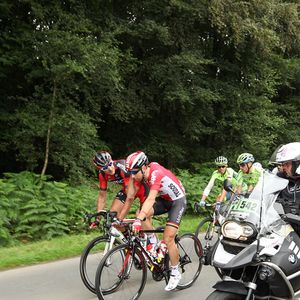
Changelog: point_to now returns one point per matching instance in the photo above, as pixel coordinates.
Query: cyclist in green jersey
(216, 181)
(248, 174)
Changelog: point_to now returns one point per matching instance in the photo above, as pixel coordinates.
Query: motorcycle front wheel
(218, 295)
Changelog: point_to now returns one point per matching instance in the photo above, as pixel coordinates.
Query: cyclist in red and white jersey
(110, 170)
(167, 195)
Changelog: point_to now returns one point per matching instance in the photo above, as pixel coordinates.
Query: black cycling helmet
(102, 159)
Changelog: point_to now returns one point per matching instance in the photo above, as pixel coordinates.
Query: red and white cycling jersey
(165, 182)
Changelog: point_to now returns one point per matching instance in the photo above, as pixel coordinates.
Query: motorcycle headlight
(237, 231)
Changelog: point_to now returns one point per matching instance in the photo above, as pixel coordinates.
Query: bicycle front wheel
(121, 275)
(206, 233)
(91, 257)
(190, 253)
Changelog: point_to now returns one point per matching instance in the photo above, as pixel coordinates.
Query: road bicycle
(99, 246)
(122, 273)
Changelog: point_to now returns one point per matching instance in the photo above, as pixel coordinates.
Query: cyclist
(167, 195)
(288, 157)
(248, 175)
(217, 179)
(110, 170)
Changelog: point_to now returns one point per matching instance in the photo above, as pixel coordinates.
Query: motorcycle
(258, 252)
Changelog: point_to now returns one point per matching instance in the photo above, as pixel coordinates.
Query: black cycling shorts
(121, 196)
(175, 209)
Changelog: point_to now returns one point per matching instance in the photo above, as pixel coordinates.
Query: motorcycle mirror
(228, 186)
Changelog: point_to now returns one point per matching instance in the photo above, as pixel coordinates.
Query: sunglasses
(221, 167)
(242, 165)
(133, 172)
(107, 166)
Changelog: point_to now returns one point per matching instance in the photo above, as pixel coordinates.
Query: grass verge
(62, 247)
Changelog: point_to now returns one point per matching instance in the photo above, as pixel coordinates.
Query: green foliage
(34, 208)
(194, 184)
(182, 80)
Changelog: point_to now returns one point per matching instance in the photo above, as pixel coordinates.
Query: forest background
(184, 81)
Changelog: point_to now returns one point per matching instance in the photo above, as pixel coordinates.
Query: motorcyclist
(288, 158)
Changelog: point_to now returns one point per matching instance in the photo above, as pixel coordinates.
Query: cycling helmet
(136, 160)
(102, 159)
(290, 152)
(221, 161)
(245, 158)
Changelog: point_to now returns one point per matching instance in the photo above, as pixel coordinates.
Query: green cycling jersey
(217, 180)
(247, 181)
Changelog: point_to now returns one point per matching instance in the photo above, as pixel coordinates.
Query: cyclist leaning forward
(114, 171)
(167, 195)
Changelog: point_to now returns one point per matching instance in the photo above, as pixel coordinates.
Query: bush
(194, 184)
(34, 208)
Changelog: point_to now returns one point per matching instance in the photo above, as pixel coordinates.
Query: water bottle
(152, 249)
(162, 250)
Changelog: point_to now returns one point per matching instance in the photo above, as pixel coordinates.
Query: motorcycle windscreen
(259, 209)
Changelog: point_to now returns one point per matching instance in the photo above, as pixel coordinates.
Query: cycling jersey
(217, 180)
(246, 179)
(120, 176)
(142, 191)
(165, 182)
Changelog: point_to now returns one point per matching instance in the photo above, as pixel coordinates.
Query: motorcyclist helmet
(290, 152)
(102, 159)
(136, 160)
(245, 158)
(221, 161)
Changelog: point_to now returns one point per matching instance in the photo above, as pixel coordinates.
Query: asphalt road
(60, 280)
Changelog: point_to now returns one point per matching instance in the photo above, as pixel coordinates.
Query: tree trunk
(50, 120)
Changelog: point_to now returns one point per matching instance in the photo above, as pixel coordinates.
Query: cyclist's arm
(148, 204)
(130, 192)
(101, 200)
(208, 187)
(222, 196)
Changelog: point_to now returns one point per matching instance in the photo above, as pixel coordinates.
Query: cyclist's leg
(118, 202)
(175, 214)
(147, 223)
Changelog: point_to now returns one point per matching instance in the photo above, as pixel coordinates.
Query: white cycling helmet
(290, 152)
(221, 161)
(136, 160)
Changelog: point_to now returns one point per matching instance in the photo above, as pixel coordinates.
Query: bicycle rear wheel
(190, 265)
(90, 259)
(120, 275)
